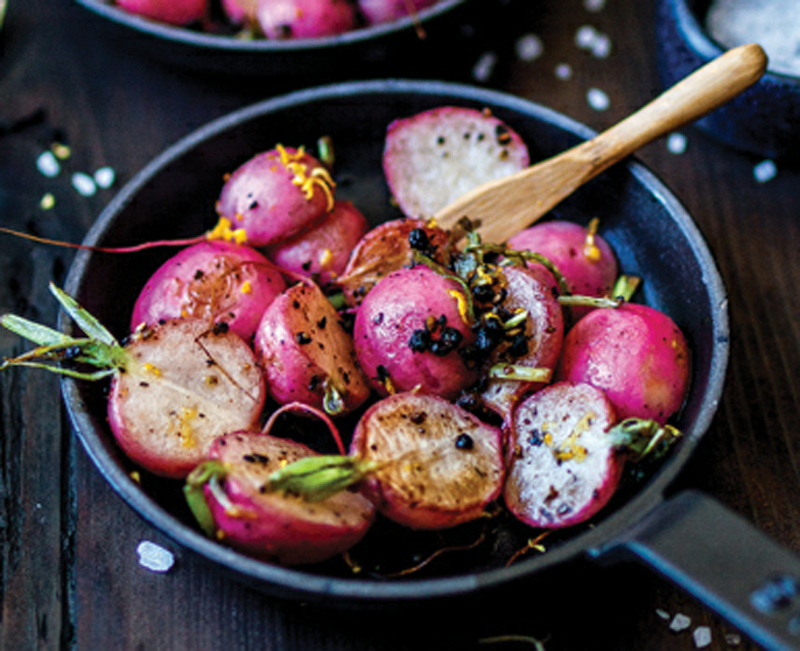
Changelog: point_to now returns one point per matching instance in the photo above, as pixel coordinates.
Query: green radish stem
(317, 478)
(208, 472)
(642, 437)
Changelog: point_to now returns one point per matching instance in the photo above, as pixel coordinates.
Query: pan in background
(443, 41)
(689, 537)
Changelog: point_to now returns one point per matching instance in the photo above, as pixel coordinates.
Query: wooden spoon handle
(506, 206)
(706, 89)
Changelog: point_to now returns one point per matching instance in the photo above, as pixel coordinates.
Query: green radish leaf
(35, 332)
(90, 325)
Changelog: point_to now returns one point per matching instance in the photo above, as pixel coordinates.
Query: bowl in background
(764, 120)
(441, 40)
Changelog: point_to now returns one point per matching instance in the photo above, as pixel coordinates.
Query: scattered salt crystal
(563, 71)
(529, 47)
(484, 67)
(154, 557)
(597, 99)
(594, 5)
(676, 143)
(104, 177)
(765, 171)
(84, 184)
(663, 614)
(585, 37)
(47, 201)
(680, 623)
(702, 636)
(47, 164)
(733, 639)
(601, 46)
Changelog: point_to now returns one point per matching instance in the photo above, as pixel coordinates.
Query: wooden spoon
(506, 206)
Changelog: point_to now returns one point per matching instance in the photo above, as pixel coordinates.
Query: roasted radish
(174, 387)
(215, 282)
(274, 195)
(432, 158)
(307, 354)
(230, 494)
(289, 19)
(636, 354)
(567, 452)
(409, 330)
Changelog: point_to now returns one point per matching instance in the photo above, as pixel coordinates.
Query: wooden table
(69, 570)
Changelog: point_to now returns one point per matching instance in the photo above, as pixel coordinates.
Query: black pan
(689, 537)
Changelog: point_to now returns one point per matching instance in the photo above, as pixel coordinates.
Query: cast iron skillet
(689, 537)
(453, 30)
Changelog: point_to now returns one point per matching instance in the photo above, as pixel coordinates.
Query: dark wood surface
(69, 573)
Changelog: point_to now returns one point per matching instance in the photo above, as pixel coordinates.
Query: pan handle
(724, 561)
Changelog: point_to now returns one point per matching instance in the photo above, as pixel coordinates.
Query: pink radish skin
(305, 350)
(438, 465)
(432, 158)
(534, 290)
(276, 195)
(589, 270)
(384, 249)
(297, 19)
(562, 467)
(275, 526)
(406, 302)
(184, 386)
(213, 282)
(172, 12)
(386, 11)
(323, 249)
(636, 354)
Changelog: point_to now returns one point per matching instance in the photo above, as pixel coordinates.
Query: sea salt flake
(676, 143)
(48, 165)
(585, 37)
(601, 46)
(663, 614)
(597, 99)
(594, 6)
(563, 71)
(702, 636)
(529, 47)
(154, 557)
(84, 184)
(680, 623)
(484, 67)
(765, 171)
(104, 177)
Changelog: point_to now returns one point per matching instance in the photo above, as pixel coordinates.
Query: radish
(174, 388)
(636, 354)
(288, 19)
(322, 250)
(432, 158)
(567, 451)
(408, 332)
(386, 11)
(528, 354)
(275, 195)
(386, 248)
(426, 463)
(173, 12)
(584, 258)
(229, 494)
(240, 12)
(307, 354)
(215, 282)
